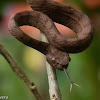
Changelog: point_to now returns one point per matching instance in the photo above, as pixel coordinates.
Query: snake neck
(36, 3)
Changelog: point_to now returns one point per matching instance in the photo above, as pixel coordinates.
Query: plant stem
(16, 68)
(54, 91)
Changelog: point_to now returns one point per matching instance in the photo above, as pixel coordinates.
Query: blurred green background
(84, 68)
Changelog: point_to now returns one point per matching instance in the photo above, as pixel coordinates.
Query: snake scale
(43, 16)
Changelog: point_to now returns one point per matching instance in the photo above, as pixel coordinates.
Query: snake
(43, 16)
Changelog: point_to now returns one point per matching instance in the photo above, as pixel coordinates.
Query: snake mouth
(60, 67)
(64, 66)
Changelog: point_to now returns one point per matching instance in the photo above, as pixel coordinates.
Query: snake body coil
(45, 13)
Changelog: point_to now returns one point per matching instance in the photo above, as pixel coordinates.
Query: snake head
(57, 58)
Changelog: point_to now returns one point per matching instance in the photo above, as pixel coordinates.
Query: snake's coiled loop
(44, 12)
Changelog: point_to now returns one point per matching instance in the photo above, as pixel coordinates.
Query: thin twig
(15, 67)
(54, 91)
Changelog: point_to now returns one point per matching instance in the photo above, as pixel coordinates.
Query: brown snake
(45, 13)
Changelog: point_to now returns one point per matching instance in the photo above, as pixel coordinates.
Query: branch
(15, 67)
(52, 78)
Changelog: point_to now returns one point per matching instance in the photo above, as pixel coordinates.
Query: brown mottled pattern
(45, 13)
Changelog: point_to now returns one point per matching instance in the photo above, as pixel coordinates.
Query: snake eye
(53, 59)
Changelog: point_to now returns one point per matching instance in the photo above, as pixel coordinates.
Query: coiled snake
(45, 13)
